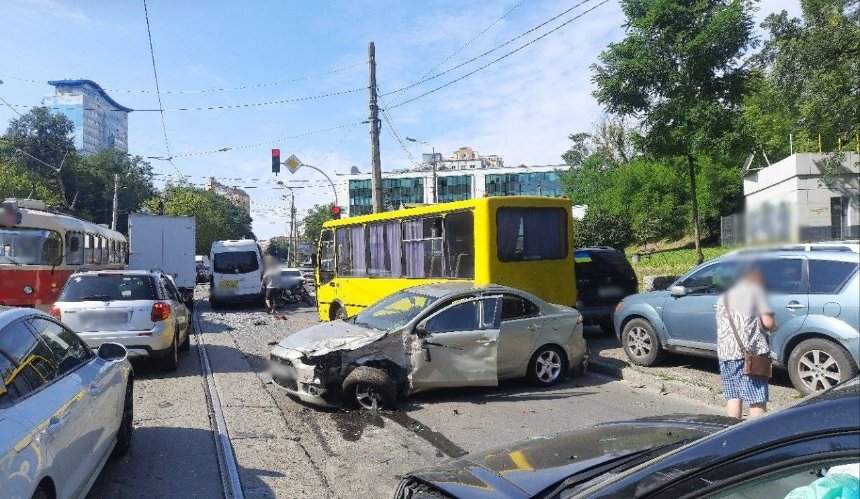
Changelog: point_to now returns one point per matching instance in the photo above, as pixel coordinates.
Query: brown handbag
(755, 366)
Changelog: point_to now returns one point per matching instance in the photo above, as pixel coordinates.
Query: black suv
(604, 277)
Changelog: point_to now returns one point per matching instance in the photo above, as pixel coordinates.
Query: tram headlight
(28, 290)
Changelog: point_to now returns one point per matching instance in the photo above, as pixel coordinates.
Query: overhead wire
(506, 55)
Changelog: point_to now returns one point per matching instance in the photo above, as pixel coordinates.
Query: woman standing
(744, 318)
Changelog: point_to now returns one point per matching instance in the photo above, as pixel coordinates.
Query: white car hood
(325, 338)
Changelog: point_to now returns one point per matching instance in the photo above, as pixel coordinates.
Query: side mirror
(678, 291)
(111, 352)
(421, 330)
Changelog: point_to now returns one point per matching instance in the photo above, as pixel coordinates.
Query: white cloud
(53, 9)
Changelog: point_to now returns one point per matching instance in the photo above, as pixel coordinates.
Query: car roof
(836, 255)
(606, 249)
(442, 289)
(11, 314)
(117, 272)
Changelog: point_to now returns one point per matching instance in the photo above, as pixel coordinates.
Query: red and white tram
(40, 249)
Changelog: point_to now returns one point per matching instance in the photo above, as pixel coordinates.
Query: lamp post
(434, 197)
(293, 245)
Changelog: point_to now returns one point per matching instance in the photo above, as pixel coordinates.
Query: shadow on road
(172, 462)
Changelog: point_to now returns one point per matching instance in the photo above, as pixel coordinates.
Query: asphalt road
(286, 449)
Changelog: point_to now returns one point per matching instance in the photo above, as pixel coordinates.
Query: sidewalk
(696, 378)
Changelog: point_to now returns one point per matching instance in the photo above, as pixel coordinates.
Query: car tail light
(160, 311)
(55, 312)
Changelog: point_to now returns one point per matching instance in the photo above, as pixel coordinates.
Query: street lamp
(432, 163)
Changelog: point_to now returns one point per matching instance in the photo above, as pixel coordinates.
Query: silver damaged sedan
(431, 336)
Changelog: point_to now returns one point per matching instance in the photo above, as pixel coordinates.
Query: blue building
(100, 122)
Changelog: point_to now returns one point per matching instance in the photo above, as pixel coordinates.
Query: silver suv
(141, 310)
(815, 296)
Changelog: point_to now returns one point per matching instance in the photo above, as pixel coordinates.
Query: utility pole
(293, 245)
(115, 200)
(375, 164)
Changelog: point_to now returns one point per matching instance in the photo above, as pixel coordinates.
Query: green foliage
(807, 81)
(600, 228)
(316, 217)
(279, 246)
(217, 217)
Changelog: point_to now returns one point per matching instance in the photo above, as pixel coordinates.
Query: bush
(601, 228)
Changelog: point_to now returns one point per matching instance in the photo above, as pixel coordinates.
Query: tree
(216, 216)
(806, 79)
(41, 142)
(316, 217)
(679, 70)
(600, 228)
(279, 246)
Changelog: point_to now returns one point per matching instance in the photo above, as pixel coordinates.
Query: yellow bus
(524, 242)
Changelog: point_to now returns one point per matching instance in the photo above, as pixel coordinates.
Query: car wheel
(413, 489)
(547, 366)
(817, 364)
(369, 388)
(607, 326)
(126, 426)
(340, 314)
(186, 343)
(171, 361)
(641, 343)
(214, 304)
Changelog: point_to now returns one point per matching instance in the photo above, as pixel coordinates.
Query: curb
(666, 385)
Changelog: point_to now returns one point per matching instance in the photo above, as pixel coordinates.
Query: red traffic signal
(276, 161)
(335, 211)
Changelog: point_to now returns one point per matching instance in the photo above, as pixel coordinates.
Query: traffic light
(335, 211)
(276, 161)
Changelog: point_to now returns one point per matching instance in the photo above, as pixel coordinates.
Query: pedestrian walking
(272, 283)
(744, 321)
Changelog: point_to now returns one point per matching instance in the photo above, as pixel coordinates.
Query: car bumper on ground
(299, 379)
(154, 343)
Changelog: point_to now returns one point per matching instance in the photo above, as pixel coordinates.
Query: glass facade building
(523, 184)
(453, 188)
(395, 192)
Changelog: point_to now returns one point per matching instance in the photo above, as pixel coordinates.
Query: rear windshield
(108, 288)
(236, 262)
(290, 273)
(591, 264)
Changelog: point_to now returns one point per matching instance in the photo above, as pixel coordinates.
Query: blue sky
(522, 108)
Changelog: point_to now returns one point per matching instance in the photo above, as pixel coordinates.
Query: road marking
(228, 468)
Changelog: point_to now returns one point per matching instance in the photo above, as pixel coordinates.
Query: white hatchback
(63, 409)
(141, 310)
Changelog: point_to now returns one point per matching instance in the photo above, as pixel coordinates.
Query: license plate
(609, 292)
(228, 284)
(100, 320)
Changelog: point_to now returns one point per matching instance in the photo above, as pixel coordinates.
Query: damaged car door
(457, 345)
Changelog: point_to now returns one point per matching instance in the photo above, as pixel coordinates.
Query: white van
(237, 272)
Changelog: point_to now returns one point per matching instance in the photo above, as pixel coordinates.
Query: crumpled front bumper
(297, 378)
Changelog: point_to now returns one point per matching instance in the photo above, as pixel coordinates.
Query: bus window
(460, 245)
(422, 247)
(326, 256)
(74, 249)
(385, 249)
(531, 234)
(351, 251)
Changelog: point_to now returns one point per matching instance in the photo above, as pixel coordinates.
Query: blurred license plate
(229, 284)
(609, 292)
(103, 319)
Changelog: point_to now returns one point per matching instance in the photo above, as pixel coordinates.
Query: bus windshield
(30, 247)
(394, 311)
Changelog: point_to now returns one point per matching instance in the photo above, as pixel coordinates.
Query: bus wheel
(339, 313)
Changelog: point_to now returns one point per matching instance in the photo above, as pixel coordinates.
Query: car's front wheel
(547, 366)
(123, 436)
(369, 388)
(641, 344)
(817, 364)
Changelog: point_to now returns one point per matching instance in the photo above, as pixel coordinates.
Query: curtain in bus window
(344, 263)
(376, 235)
(508, 226)
(460, 245)
(358, 251)
(544, 234)
(393, 238)
(413, 248)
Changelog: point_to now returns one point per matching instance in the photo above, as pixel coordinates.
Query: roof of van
(234, 244)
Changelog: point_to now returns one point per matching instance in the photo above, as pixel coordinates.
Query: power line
(512, 40)
(512, 52)
(389, 122)
(157, 88)
(214, 89)
(461, 48)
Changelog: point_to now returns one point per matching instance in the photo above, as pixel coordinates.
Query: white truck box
(166, 243)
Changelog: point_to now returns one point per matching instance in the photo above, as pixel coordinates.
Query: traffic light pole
(375, 163)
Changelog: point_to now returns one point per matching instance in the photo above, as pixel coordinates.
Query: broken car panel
(431, 336)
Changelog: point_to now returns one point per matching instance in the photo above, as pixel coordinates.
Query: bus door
(326, 284)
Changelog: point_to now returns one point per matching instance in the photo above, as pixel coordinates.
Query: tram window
(105, 251)
(74, 249)
(113, 258)
(529, 234)
(89, 249)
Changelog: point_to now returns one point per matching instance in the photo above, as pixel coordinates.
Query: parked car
(141, 310)
(604, 277)
(815, 296)
(63, 409)
(667, 457)
(431, 336)
(290, 277)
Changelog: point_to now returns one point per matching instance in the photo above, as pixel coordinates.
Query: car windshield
(108, 287)
(290, 273)
(236, 262)
(30, 247)
(394, 311)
